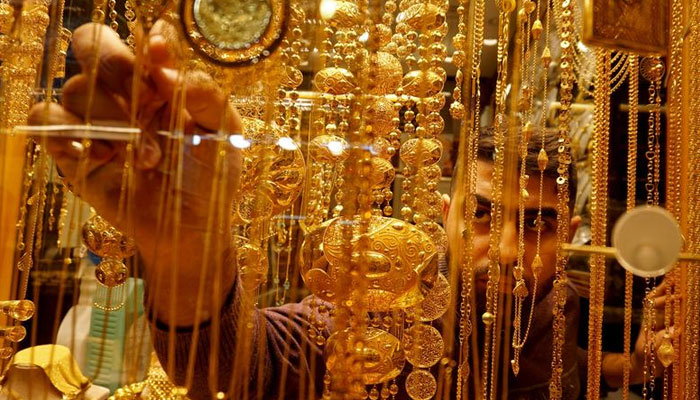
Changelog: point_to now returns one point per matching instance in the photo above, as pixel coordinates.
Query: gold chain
(652, 69)
(674, 173)
(599, 194)
(566, 31)
(492, 295)
(692, 318)
(520, 291)
(632, 124)
(472, 138)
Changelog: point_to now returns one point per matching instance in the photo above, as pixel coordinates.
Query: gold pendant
(420, 385)
(665, 352)
(423, 345)
(217, 29)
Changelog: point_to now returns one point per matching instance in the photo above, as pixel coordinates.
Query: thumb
(204, 100)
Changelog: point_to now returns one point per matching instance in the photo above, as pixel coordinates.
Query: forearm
(187, 285)
(209, 369)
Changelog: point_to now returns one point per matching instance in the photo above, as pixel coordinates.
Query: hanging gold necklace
(633, 94)
(489, 317)
(468, 172)
(692, 318)
(674, 176)
(567, 80)
(598, 219)
(520, 291)
(652, 69)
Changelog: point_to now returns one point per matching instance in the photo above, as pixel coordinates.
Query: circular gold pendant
(436, 301)
(234, 31)
(423, 345)
(421, 385)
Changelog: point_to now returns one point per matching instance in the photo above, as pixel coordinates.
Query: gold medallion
(436, 301)
(234, 31)
(381, 355)
(421, 385)
(388, 71)
(401, 262)
(382, 113)
(423, 345)
(421, 152)
(334, 80)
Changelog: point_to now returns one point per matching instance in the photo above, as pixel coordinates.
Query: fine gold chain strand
(633, 92)
(565, 29)
(598, 220)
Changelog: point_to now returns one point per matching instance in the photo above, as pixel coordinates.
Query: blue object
(105, 346)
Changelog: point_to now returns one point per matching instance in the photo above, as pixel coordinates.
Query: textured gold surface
(232, 24)
(388, 71)
(436, 301)
(421, 152)
(401, 263)
(421, 385)
(381, 355)
(59, 366)
(234, 32)
(424, 16)
(634, 25)
(423, 345)
(334, 80)
(272, 175)
(423, 84)
(382, 113)
(328, 149)
(105, 240)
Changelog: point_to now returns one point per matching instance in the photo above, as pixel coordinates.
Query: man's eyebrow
(482, 200)
(547, 212)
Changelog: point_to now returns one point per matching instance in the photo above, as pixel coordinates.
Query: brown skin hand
(98, 178)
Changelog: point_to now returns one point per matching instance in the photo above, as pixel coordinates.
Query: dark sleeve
(582, 360)
(268, 356)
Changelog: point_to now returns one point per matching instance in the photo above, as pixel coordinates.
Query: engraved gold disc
(436, 301)
(421, 385)
(423, 345)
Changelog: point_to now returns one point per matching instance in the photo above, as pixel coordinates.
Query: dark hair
(486, 150)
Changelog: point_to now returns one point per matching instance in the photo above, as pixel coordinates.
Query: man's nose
(509, 244)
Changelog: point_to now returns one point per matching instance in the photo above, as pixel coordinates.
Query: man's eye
(482, 216)
(532, 224)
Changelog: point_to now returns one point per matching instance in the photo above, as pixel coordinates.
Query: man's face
(454, 223)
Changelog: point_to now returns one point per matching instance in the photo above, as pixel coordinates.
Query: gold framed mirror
(234, 31)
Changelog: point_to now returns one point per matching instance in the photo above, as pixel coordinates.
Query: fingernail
(169, 74)
(157, 38)
(149, 154)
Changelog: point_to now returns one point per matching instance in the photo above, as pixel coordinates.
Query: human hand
(653, 336)
(95, 173)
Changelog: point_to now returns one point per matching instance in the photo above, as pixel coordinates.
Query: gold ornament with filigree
(381, 355)
(234, 32)
(335, 81)
(272, 174)
(389, 73)
(401, 263)
(106, 241)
